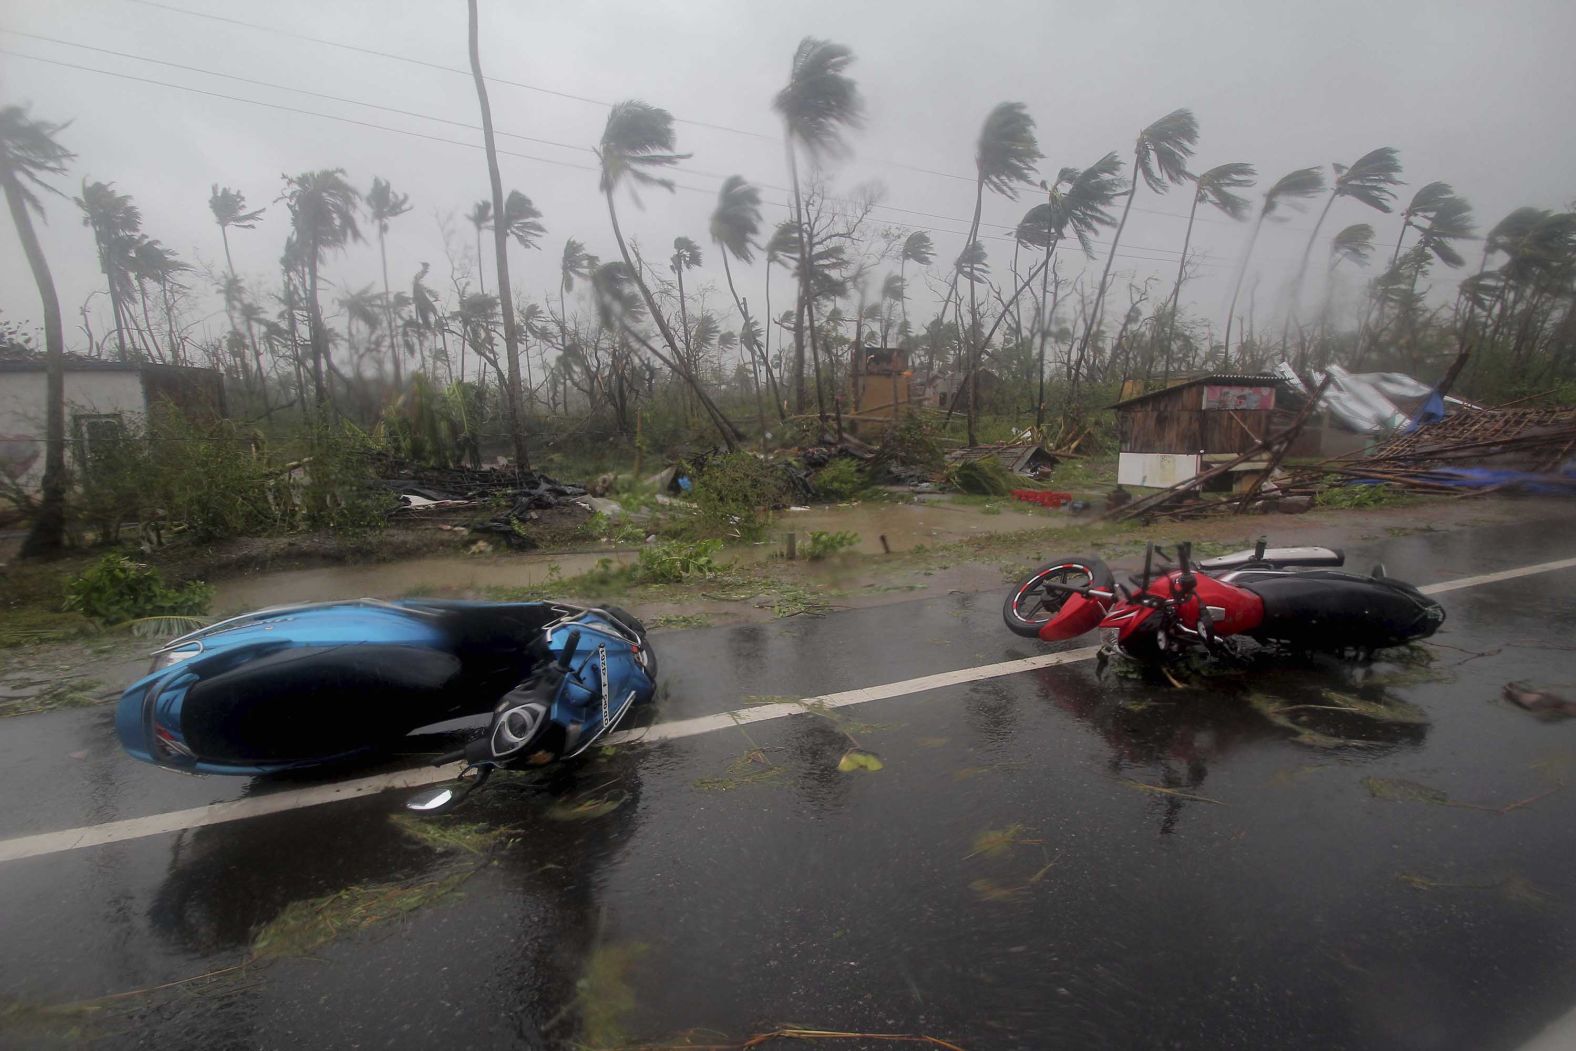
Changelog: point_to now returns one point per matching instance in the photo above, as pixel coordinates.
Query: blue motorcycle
(306, 686)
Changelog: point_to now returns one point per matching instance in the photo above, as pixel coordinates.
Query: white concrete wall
(88, 392)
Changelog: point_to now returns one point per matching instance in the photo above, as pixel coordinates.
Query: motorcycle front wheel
(1030, 603)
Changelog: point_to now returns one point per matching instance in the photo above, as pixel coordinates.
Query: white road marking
(219, 813)
(1494, 578)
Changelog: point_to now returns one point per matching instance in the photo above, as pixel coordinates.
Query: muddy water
(905, 527)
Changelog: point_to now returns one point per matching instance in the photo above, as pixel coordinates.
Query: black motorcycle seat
(1331, 608)
(309, 702)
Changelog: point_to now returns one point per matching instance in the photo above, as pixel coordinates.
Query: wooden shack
(881, 386)
(1172, 434)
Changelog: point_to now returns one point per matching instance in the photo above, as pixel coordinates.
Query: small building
(103, 400)
(1174, 433)
(883, 380)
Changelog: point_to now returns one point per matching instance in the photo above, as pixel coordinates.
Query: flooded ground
(1043, 859)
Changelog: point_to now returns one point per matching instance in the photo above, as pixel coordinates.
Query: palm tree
(322, 208)
(1076, 203)
(229, 209)
(1216, 187)
(783, 243)
(1004, 156)
(480, 217)
(384, 204)
(1370, 179)
(636, 142)
(29, 152)
(735, 221)
(819, 102)
(1290, 188)
(116, 223)
(575, 263)
(917, 248)
(151, 261)
(511, 335)
(686, 256)
(1160, 156)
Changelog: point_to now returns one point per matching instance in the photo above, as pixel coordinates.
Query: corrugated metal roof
(1232, 378)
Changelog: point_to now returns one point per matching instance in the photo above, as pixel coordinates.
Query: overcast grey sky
(1479, 95)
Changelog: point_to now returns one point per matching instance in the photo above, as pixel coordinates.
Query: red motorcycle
(1291, 597)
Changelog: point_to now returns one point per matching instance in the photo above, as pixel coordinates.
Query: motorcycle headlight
(171, 657)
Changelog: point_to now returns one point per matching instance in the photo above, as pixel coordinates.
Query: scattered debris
(1162, 790)
(858, 759)
(1547, 706)
(306, 926)
(995, 842)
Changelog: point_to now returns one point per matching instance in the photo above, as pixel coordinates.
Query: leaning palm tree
(1004, 157)
(686, 256)
(819, 103)
(322, 208)
(735, 222)
(1370, 179)
(1423, 206)
(1216, 187)
(152, 261)
(1077, 204)
(1289, 189)
(28, 153)
(637, 142)
(384, 204)
(229, 209)
(782, 245)
(480, 217)
(917, 248)
(1160, 157)
(574, 264)
(116, 224)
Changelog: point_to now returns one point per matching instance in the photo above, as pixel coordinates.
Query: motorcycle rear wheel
(1029, 605)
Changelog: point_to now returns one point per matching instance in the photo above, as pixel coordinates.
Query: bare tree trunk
(47, 535)
(511, 334)
(1236, 290)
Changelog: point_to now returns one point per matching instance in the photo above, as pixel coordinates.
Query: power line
(393, 56)
(1128, 251)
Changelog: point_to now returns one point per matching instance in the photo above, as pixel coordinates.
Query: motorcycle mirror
(437, 798)
(1149, 563)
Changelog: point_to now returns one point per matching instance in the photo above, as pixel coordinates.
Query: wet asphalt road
(1010, 878)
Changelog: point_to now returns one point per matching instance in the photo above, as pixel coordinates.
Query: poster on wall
(1248, 398)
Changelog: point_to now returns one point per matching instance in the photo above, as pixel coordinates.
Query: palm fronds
(737, 218)
(229, 208)
(918, 248)
(1354, 245)
(1007, 150)
(617, 298)
(686, 254)
(1291, 188)
(1216, 186)
(383, 204)
(576, 262)
(520, 220)
(820, 99)
(1371, 179)
(1164, 147)
(636, 141)
(28, 151)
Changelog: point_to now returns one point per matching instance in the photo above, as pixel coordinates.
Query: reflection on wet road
(1308, 854)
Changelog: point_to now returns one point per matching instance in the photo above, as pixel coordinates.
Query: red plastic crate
(1043, 497)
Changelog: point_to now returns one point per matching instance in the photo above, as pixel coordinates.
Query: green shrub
(982, 477)
(340, 494)
(842, 479)
(909, 447)
(734, 489)
(1348, 497)
(824, 545)
(674, 561)
(115, 589)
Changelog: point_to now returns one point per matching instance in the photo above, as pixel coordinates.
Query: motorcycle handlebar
(571, 644)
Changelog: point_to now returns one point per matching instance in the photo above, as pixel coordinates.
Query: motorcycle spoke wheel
(1031, 604)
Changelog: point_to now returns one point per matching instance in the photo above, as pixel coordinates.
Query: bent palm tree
(1290, 188)
(29, 152)
(637, 142)
(1370, 179)
(575, 263)
(116, 224)
(1004, 157)
(480, 217)
(384, 204)
(229, 209)
(686, 256)
(818, 104)
(1216, 187)
(1160, 157)
(917, 248)
(322, 208)
(735, 222)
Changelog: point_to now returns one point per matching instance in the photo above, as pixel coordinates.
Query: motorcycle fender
(1077, 616)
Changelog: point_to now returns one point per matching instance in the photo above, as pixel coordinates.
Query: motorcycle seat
(1332, 608)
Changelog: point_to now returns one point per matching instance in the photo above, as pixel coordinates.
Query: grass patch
(22, 627)
(823, 544)
(604, 995)
(306, 926)
(682, 620)
(70, 693)
(448, 835)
